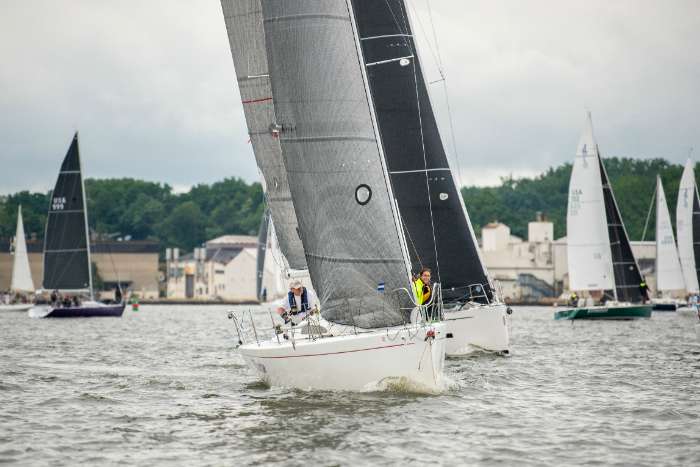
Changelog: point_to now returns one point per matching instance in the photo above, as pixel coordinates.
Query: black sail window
(363, 194)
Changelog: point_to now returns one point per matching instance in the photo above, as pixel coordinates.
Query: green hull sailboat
(620, 312)
(599, 253)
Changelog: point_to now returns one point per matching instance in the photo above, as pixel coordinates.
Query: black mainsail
(339, 186)
(439, 233)
(66, 243)
(625, 268)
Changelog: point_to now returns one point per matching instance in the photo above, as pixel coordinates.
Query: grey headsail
(625, 268)
(341, 192)
(246, 39)
(66, 243)
(262, 252)
(439, 233)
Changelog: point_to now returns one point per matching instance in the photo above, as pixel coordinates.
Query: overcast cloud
(150, 85)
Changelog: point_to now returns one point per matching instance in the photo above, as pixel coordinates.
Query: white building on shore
(536, 268)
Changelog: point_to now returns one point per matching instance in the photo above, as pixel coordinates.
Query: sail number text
(58, 203)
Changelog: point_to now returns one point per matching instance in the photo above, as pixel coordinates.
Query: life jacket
(421, 298)
(293, 302)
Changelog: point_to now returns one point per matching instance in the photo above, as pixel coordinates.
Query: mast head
(587, 145)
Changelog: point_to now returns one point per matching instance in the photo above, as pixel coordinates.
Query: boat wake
(403, 385)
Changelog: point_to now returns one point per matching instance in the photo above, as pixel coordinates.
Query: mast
(85, 217)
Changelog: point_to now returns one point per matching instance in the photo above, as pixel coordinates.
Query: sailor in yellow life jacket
(421, 287)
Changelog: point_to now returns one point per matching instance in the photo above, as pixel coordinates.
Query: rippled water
(164, 386)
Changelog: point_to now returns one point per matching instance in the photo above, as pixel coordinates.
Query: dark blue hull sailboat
(67, 265)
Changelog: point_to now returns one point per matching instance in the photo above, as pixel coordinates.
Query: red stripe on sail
(253, 101)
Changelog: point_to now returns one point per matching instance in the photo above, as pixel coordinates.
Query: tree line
(143, 210)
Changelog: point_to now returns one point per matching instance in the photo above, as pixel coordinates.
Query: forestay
(66, 247)
(21, 274)
(439, 234)
(588, 242)
(669, 275)
(340, 188)
(247, 41)
(688, 227)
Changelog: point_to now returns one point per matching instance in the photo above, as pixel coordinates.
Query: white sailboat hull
(478, 328)
(16, 307)
(356, 362)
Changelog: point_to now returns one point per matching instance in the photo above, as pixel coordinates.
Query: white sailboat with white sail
(21, 284)
(670, 285)
(688, 231)
(599, 253)
(319, 149)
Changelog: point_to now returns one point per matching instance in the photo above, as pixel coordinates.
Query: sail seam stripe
(384, 36)
(381, 62)
(304, 17)
(69, 172)
(252, 77)
(254, 101)
(67, 211)
(354, 260)
(420, 171)
(328, 138)
(65, 251)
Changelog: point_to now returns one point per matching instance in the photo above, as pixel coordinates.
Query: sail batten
(244, 23)
(432, 211)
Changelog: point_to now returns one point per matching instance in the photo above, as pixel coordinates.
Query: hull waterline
(353, 362)
(479, 328)
(615, 312)
(96, 310)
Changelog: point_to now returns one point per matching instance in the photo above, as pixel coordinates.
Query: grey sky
(150, 85)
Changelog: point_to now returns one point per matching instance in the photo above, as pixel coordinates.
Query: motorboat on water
(67, 266)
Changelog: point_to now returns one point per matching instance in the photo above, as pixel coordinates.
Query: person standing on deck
(643, 290)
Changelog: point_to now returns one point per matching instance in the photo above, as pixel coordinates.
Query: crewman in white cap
(298, 302)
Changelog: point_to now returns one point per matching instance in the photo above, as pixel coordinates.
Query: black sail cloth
(627, 275)
(66, 256)
(438, 231)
